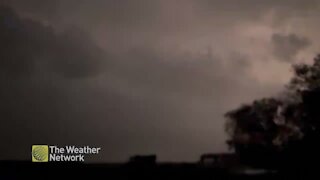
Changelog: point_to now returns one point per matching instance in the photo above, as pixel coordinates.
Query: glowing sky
(144, 76)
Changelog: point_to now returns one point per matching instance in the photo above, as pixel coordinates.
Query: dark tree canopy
(271, 130)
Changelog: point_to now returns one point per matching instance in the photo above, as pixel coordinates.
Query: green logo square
(40, 153)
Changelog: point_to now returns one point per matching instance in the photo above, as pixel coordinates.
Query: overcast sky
(142, 76)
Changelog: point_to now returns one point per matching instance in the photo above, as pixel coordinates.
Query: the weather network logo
(40, 153)
(52, 153)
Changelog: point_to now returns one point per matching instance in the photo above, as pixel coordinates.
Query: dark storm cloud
(296, 5)
(26, 44)
(157, 89)
(286, 47)
(131, 22)
(132, 12)
(119, 13)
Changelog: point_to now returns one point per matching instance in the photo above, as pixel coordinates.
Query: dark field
(23, 170)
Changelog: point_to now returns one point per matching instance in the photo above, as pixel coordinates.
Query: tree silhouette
(271, 132)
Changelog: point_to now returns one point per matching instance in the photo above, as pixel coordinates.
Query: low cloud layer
(286, 47)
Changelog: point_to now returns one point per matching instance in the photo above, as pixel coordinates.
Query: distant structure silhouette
(143, 160)
(219, 160)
